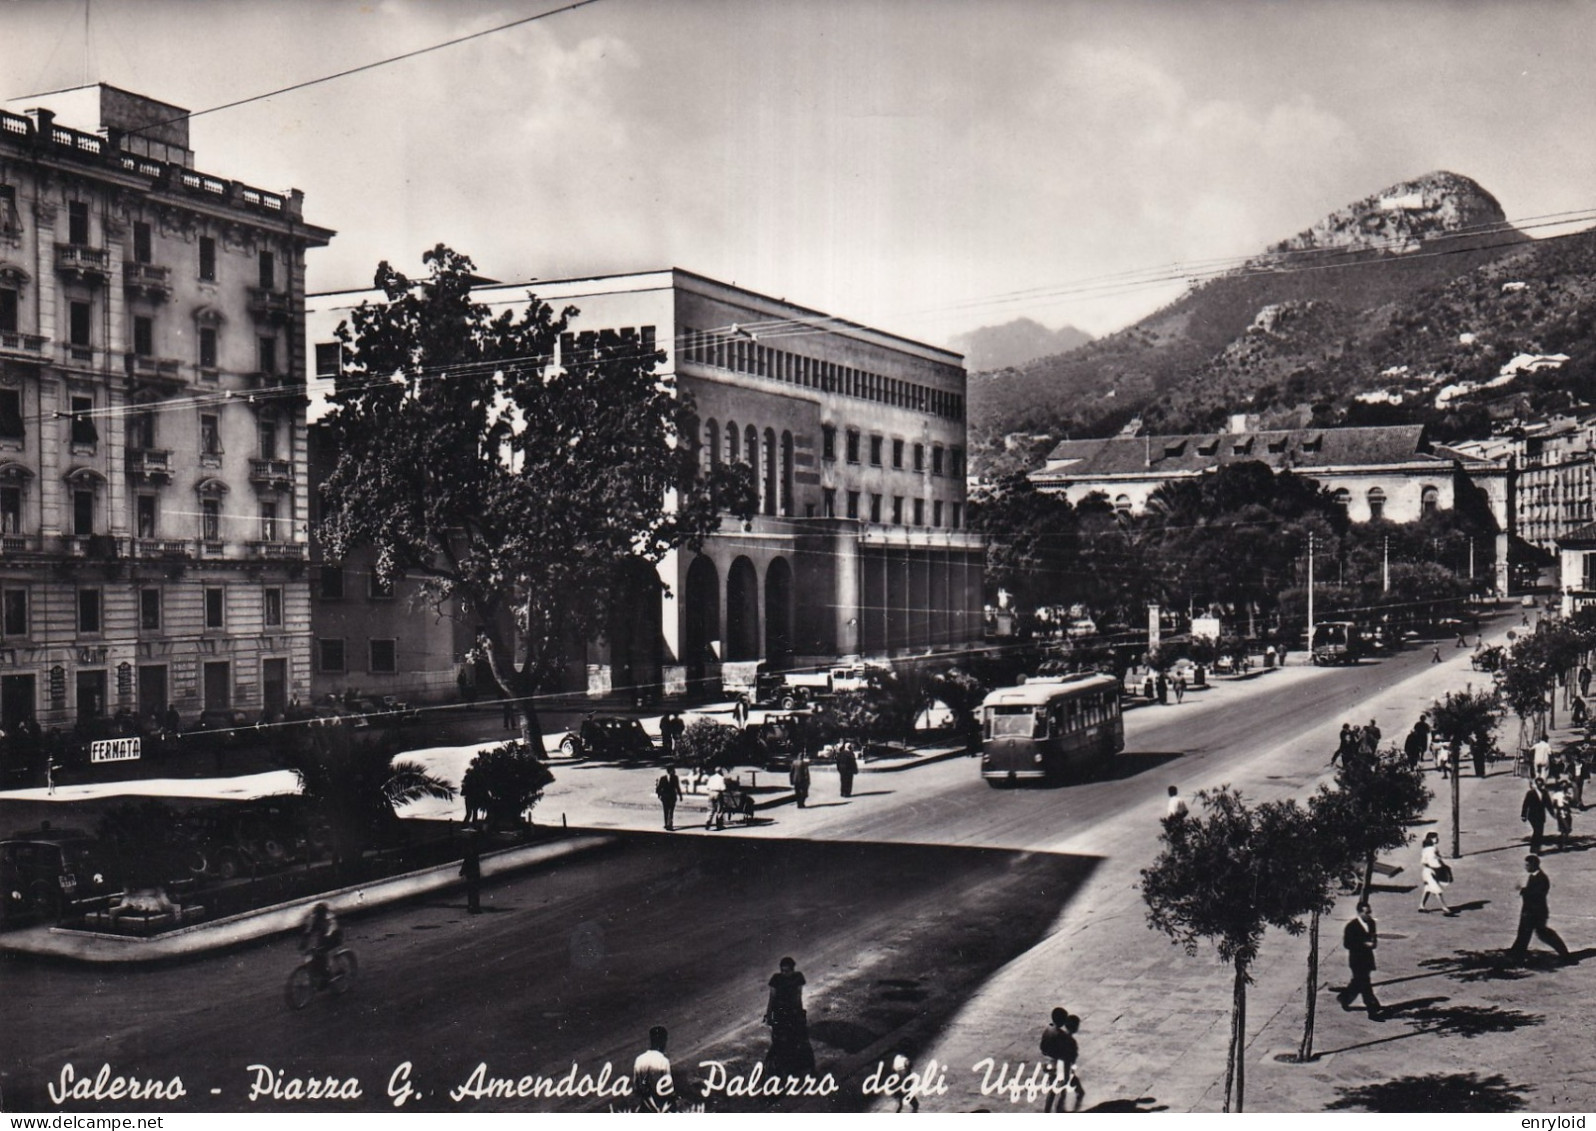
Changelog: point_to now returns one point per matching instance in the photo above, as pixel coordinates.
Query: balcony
(75, 354)
(149, 465)
(162, 548)
(93, 546)
(271, 474)
(147, 279)
(260, 381)
(11, 544)
(268, 305)
(165, 374)
(82, 263)
(277, 551)
(22, 347)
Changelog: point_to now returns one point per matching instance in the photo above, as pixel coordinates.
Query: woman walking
(1437, 874)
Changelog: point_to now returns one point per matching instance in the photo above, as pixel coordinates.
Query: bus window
(1009, 722)
(1040, 729)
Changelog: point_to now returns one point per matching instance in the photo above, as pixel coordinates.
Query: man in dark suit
(1533, 811)
(1533, 913)
(1360, 938)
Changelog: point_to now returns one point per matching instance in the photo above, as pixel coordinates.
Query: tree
(962, 693)
(1467, 716)
(1328, 858)
(706, 743)
(508, 782)
(1225, 875)
(1384, 795)
(521, 495)
(1031, 540)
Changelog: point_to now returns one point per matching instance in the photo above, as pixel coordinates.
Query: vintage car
(45, 871)
(614, 737)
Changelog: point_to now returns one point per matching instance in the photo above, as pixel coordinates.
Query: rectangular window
(207, 347)
(272, 608)
(211, 520)
(8, 310)
(936, 513)
(919, 512)
(210, 434)
(853, 504)
(936, 459)
(379, 588)
(141, 242)
(143, 336)
(207, 259)
(958, 516)
(268, 522)
(853, 445)
(81, 328)
(141, 430)
(88, 610)
(268, 271)
(15, 618)
(267, 430)
(10, 221)
(268, 355)
(145, 505)
(330, 655)
(875, 508)
(150, 610)
(215, 608)
(78, 222)
(897, 453)
(956, 459)
(897, 510)
(83, 429)
(332, 583)
(828, 441)
(11, 426)
(384, 656)
(10, 510)
(82, 513)
(329, 358)
(919, 457)
(875, 451)
(828, 502)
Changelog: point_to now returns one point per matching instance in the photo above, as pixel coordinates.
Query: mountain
(1410, 305)
(1015, 343)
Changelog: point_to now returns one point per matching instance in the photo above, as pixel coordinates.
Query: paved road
(898, 936)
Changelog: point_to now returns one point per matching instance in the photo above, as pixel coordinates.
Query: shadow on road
(1436, 1091)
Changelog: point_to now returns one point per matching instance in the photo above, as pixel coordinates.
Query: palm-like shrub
(358, 784)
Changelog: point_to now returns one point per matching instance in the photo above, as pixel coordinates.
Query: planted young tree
(524, 497)
(1226, 874)
(1385, 795)
(358, 784)
(1331, 858)
(706, 743)
(1468, 718)
(508, 783)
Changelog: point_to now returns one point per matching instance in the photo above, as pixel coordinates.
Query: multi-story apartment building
(152, 420)
(1556, 463)
(857, 439)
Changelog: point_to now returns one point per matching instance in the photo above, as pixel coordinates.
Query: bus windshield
(1014, 722)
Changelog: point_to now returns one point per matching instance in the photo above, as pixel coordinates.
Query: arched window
(733, 442)
(1376, 504)
(1429, 499)
(712, 443)
(786, 473)
(751, 457)
(772, 487)
(1122, 504)
(1343, 498)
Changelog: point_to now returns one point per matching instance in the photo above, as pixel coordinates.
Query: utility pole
(1385, 566)
(1310, 594)
(1471, 566)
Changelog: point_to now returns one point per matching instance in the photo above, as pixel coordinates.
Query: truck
(790, 690)
(1337, 642)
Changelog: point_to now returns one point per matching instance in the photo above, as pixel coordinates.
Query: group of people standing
(1357, 742)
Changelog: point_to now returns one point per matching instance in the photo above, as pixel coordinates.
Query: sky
(925, 166)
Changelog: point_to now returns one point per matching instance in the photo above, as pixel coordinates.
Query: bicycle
(303, 984)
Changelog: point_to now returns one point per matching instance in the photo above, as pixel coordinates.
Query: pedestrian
(1417, 742)
(1059, 1046)
(1462, 640)
(1180, 689)
(1542, 754)
(1578, 713)
(901, 1064)
(471, 794)
(1149, 689)
(652, 1088)
(669, 791)
(1533, 813)
(1443, 758)
(798, 775)
(1437, 873)
(1175, 807)
(1435, 657)
(1559, 805)
(790, 1053)
(471, 872)
(1371, 740)
(1533, 914)
(1361, 936)
(714, 790)
(847, 766)
(740, 712)
(1347, 747)
(509, 713)
(671, 729)
(1163, 689)
(1584, 680)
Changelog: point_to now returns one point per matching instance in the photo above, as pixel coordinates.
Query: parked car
(610, 737)
(775, 740)
(44, 871)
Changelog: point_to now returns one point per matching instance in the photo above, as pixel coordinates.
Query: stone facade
(152, 422)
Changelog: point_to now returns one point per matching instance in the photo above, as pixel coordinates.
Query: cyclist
(320, 936)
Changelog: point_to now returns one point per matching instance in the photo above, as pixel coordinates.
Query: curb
(282, 918)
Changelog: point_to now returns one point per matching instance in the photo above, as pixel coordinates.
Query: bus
(1045, 729)
(1337, 642)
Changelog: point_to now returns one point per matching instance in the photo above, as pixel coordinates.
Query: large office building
(152, 420)
(857, 439)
